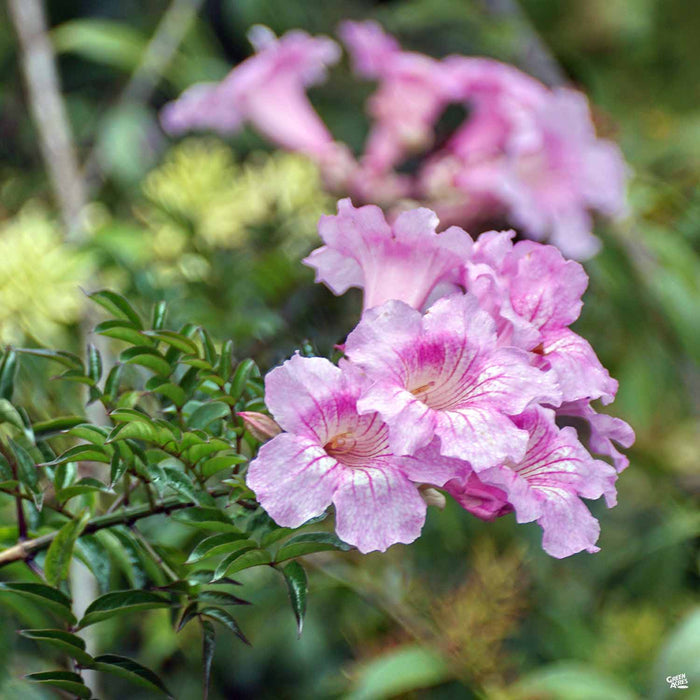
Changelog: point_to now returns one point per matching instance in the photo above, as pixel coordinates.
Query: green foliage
(169, 441)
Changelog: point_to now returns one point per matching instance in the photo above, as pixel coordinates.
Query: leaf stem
(27, 549)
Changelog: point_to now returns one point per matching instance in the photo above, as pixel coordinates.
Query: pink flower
(401, 261)
(331, 454)
(484, 501)
(603, 430)
(443, 375)
(534, 294)
(268, 90)
(531, 149)
(413, 90)
(547, 485)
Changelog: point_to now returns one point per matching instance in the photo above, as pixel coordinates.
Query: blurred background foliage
(218, 228)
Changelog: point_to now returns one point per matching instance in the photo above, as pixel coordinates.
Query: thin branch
(160, 51)
(21, 522)
(28, 548)
(48, 110)
(533, 54)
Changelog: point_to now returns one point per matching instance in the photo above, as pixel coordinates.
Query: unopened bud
(433, 497)
(259, 425)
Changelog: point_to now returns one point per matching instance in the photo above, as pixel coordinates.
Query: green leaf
(197, 452)
(8, 370)
(208, 646)
(117, 468)
(172, 392)
(82, 453)
(51, 598)
(90, 550)
(401, 670)
(225, 364)
(570, 680)
(308, 543)
(207, 413)
(85, 485)
(112, 381)
(225, 618)
(240, 377)
(117, 305)
(119, 602)
(209, 348)
(148, 357)
(182, 484)
(238, 561)
(188, 614)
(60, 550)
(216, 464)
(110, 42)
(121, 330)
(297, 585)
(175, 340)
(131, 671)
(28, 474)
(65, 642)
(48, 428)
(206, 519)
(220, 598)
(9, 414)
(160, 310)
(219, 544)
(64, 680)
(67, 359)
(94, 363)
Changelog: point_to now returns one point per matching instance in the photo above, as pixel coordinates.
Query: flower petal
(376, 508)
(293, 479)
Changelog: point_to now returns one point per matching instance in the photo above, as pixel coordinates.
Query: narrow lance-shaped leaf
(60, 551)
(160, 310)
(226, 619)
(46, 596)
(94, 363)
(131, 671)
(117, 305)
(208, 646)
(64, 641)
(8, 369)
(63, 680)
(119, 602)
(297, 584)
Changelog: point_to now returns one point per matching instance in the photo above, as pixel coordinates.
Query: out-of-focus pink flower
(268, 90)
(413, 90)
(443, 375)
(402, 261)
(547, 485)
(603, 430)
(331, 454)
(533, 150)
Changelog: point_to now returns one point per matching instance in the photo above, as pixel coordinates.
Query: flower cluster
(524, 152)
(458, 377)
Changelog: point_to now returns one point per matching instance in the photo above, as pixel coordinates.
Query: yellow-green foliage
(475, 619)
(40, 279)
(201, 191)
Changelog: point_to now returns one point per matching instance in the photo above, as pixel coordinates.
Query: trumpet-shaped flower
(603, 430)
(413, 90)
(443, 375)
(401, 261)
(268, 90)
(534, 294)
(546, 485)
(329, 453)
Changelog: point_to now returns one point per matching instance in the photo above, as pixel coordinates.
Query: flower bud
(433, 497)
(260, 426)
